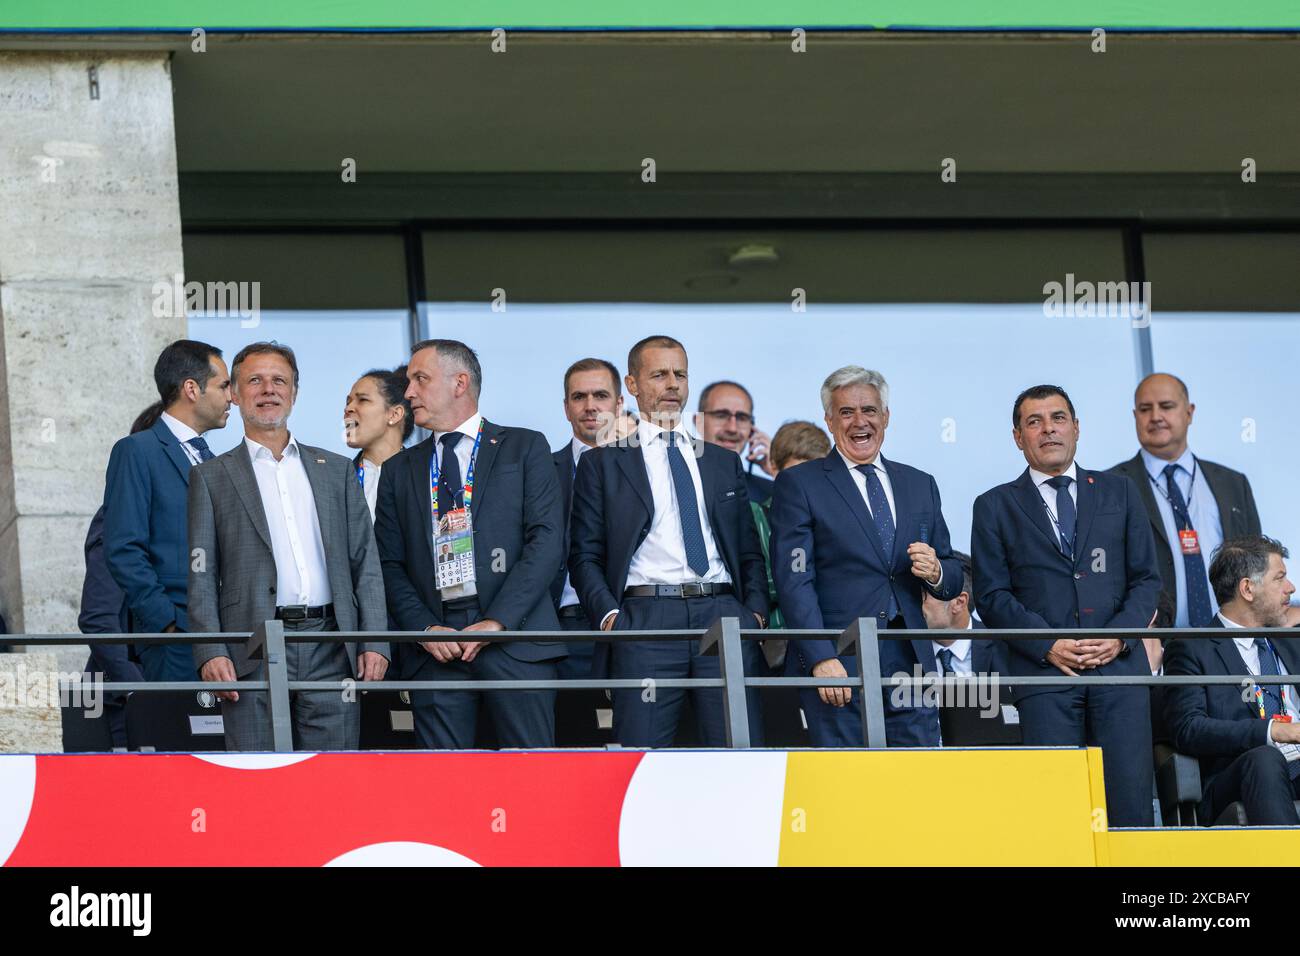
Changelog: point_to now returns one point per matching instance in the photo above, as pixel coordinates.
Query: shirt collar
(878, 464)
(178, 428)
(257, 450)
(1230, 623)
(1040, 477)
(648, 432)
(960, 648)
(1156, 466)
(468, 427)
(577, 447)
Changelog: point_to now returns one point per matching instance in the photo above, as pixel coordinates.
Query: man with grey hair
(855, 535)
(1247, 742)
(490, 494)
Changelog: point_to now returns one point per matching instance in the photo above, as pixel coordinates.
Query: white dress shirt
(370, 484)
(860, 480)
(1201, 508)
(963, 662)
(290, 507)
(569, 595)
(183, 435)
(661, 557)
(464, 448)
(1249, 652)
(1049, 493)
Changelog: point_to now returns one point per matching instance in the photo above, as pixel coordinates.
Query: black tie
(450, 485)
(945, 661)
(1064, 512)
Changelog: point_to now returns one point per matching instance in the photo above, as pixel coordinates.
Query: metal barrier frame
(723, 638)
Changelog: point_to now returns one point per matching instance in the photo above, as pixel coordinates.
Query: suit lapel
(313, 462)
(837, 472)
(172, 448)
(709, 484)
(1137, 470)
(1230, 657)
(1031, 503)
(981, 655)
(565, 469)
(1226, 511)
(632, 462)
(240, 468)
(493, 435)
(420, 456)
(1086, 507)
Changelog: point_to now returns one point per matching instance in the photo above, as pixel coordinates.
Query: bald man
(1194, 504)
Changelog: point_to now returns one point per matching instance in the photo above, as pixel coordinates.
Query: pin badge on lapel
(1090, 479)
(320, 461)
(492, 441)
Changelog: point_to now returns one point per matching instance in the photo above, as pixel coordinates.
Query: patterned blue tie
(1064, 513)
(697, 555)
(1198, 584)
(1274, 693)
(200, 445)
(884, 520)
(945, 661)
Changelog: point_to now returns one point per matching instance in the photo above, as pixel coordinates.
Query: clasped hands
(444, 652)
(1071, 656)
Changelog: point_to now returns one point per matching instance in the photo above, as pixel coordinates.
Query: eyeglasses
(720, 415)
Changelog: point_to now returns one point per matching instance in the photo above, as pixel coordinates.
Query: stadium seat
(85, 734)
(174, 721)
(386, 720)
(1178, 785)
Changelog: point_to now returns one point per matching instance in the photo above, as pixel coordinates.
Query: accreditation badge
(1189, 541)
(454, 553)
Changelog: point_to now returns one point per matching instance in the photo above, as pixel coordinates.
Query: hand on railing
(221, 670)
(835, 696)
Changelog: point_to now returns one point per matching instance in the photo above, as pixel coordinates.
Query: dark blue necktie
(200, 445)
(697, 555)
(884, 520)
(1198, 585)
(450, 486)
(945, 661)
(1064, 513)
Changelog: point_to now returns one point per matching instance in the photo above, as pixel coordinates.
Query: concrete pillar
(89, 222)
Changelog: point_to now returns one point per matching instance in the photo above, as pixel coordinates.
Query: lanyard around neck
(435, 472)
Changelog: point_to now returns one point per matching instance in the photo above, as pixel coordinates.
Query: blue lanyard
(435, 472)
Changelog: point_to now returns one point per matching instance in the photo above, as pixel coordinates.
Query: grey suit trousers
(322, 719)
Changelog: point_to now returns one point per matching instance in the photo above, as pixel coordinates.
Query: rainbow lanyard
(1280, 692)
(435, 471)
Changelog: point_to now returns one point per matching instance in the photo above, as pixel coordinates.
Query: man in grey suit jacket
(278, 529)
(1194, 505)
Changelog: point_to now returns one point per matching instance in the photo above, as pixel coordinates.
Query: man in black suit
(504, 479)
(968, 656)
(663, 539)
(593, 405)
(1193, 504)
(1247, 736)
(726, 417)
(1063, 547)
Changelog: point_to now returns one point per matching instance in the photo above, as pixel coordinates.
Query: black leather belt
(572, 611)
(303, 612)
(677, 590)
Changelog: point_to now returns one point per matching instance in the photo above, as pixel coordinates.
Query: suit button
(881, 614)
(1077, 575)
(271, 589)
(891, 577)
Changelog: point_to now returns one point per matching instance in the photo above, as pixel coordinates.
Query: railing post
(725, 634)
(268, 642)
(861, 634)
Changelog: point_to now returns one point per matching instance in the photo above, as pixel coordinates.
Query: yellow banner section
(944, 808)
(1205, 846)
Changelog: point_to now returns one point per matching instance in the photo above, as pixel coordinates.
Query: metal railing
(723, 638)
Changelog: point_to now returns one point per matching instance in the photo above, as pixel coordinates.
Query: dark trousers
(648, 717)
(1116, 719)
(448, 719)
(322, 719)
(1261, 780)
(165, 662)
(576, 722)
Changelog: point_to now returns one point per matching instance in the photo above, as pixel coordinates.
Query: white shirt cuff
(608, 615)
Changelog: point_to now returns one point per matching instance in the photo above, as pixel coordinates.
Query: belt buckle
(692, 590)
(293, 612)
(670, 590)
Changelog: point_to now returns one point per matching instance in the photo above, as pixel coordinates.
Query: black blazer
(1231, 489)
(612, 510)
(563, 459)
(518, 532)
(1022, 580)
(1214, 723)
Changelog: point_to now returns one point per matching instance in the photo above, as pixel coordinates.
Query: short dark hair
(594, 365)
(266, 348)
(460, 354)
(649, 342)
(967, 582)
(708, 390)
(179, 362)
(392, 386)
(1240, 558)
(1039, 391)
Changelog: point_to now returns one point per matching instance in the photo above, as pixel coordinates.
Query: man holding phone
(726, 418)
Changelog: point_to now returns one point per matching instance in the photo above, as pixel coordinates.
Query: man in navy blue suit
(663, 538)
(1063, 547)
(145, 500)
(1248, 743)
(855, 535)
